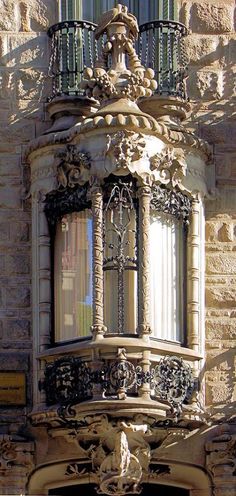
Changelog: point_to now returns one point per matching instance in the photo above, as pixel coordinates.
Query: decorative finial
(114, 80)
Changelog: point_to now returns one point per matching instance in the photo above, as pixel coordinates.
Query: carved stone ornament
(118, 81)
(221, 456)
(119, 455)
(126, 147)
(73, 167)
(169, 167)
(16, 457)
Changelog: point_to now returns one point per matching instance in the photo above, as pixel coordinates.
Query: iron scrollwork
(119, 210)
(69, 381)
(59, 203)
(171, 202)
(173, 382)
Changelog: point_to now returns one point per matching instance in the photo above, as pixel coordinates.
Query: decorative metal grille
(118, 212)
(59, 203)
(68, 381)
(171, 202)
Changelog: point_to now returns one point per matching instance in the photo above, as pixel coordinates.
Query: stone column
(194, 278)
(144, 194)
(98, 328)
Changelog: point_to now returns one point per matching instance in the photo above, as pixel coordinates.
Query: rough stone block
(18, 297)
(16, 329)
(17, 264)
(202, 50)
(4, 230)
(205, 84)
(226, 232)
(9, 165)
(28, 50)
(221, 298)
(19, 232)
(206, 17)
(14, 361)
(9, 15)
(223, 263)
(32, 84)
(10, 197)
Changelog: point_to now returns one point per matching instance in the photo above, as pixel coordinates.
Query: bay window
(74, 269)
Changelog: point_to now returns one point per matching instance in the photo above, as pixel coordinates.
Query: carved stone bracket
(118, 454)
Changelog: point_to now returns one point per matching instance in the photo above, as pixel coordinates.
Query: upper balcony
(75, 47)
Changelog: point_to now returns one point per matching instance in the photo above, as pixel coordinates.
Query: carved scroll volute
(96, 194)
(144, 270)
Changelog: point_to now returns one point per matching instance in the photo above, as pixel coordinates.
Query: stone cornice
(103, 124)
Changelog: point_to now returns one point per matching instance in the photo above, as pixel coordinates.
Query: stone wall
(24, 86)
(211, 50)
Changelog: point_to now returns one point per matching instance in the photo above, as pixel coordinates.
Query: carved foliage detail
(126, 147)
(169, 167)
(72, 167)
(14, 454)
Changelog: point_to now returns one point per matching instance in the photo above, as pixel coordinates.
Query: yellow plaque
(12, 388)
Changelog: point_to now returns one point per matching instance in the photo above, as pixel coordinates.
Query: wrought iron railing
(70, 380)
(74, 47)
(161, 48)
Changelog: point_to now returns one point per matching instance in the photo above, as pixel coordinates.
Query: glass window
(91, 10)
(167, 269)
(73, 276)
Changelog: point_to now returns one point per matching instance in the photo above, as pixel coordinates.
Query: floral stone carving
(118, 81)
(169, 167)
(73, 167)
(126, 147)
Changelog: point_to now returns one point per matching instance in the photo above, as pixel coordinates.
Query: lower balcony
(117, 381)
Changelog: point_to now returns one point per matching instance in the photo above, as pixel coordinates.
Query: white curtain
(73, 276)
(167, 277)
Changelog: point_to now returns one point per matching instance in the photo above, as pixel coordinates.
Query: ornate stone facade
(134, 421)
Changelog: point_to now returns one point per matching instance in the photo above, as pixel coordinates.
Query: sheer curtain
(167, 277)
(73, 276)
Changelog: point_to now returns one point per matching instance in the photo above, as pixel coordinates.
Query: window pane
(73, 276)
(167, 277)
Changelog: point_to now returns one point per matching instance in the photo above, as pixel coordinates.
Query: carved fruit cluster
(103, 85)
